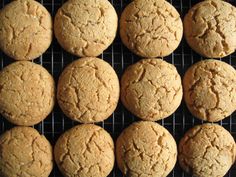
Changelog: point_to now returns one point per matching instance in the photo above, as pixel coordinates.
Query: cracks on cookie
(208, 134)
(222, 45)
(85, 149)
(136, 149)
(17, 137)
(19, 110)
(211, 83)
(143, 79)
(86, 28)
(222, 35)
(68, 16)
(32, 17)
(151, 34)
(28, 51)
(101, 94)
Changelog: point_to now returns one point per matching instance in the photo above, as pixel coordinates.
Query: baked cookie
(210, 90)
(24, 152)
(151, 89)
(146, 149)
(209, 28)
(27, 93)
(151, 28)
(86, 27)
(88, 90)
(86, 150)
(207, 150)
(25, 29)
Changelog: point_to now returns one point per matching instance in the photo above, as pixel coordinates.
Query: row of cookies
(143, 149)
(88, 90)
(150, 28)
(83, 28)
(152, 90)
(153, 28)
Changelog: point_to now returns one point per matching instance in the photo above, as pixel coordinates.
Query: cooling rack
(55, 59)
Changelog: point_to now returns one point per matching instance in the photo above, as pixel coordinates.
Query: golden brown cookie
(146, 149)
(25, 29)
(86, 27)
(207, 150)
(88, 90)
(209, 28)
(25, 153)
(151, 28)
(27, 93)
(151, 89)
(210, 90)
(86, 150)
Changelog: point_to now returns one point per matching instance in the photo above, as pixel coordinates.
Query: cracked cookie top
(151, 89)
(27, 93)
(146, 149)
(210, 90)
(86, 27)
(24, 152)
(86, 151)
(151, 28)
(88, 90)
(207, 150)
(25, 29)
(210, 28)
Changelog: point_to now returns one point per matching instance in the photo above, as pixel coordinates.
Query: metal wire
(55, 59)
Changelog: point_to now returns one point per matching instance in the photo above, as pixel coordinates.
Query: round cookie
(209, 28)
(25, 29)
(207, 150)
(27, 93)
(86, 150)
(151, 28)
(86, 27)
(146, 149)
(88, 90)
(210, 90)
(24, 152)
(151, 89)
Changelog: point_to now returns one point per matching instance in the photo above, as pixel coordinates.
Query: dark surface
(55, 59)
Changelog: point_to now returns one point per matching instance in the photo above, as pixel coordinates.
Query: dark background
(55, 59)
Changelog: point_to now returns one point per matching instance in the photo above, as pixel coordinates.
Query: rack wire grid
(55, 59)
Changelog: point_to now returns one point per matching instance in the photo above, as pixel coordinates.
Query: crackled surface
(151, 89)
(25, 153)
(25, 29)
(210, 28)
(146, 149)
(27, 93)
(207, 150)
(210, 90)
(86, 151)
(88, 90)
(86, 27)
(151, 28)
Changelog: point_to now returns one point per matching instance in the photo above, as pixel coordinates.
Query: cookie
(86, 27)
(27, 93)
(85, 150)
(88, 90)
(210, 90)
(207, 150)
(209, 28)
(25, 29)
(146, 149)
(151, 28)
(151, 89)
(24, 152)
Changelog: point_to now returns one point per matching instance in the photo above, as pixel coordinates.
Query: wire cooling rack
(55, 59)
